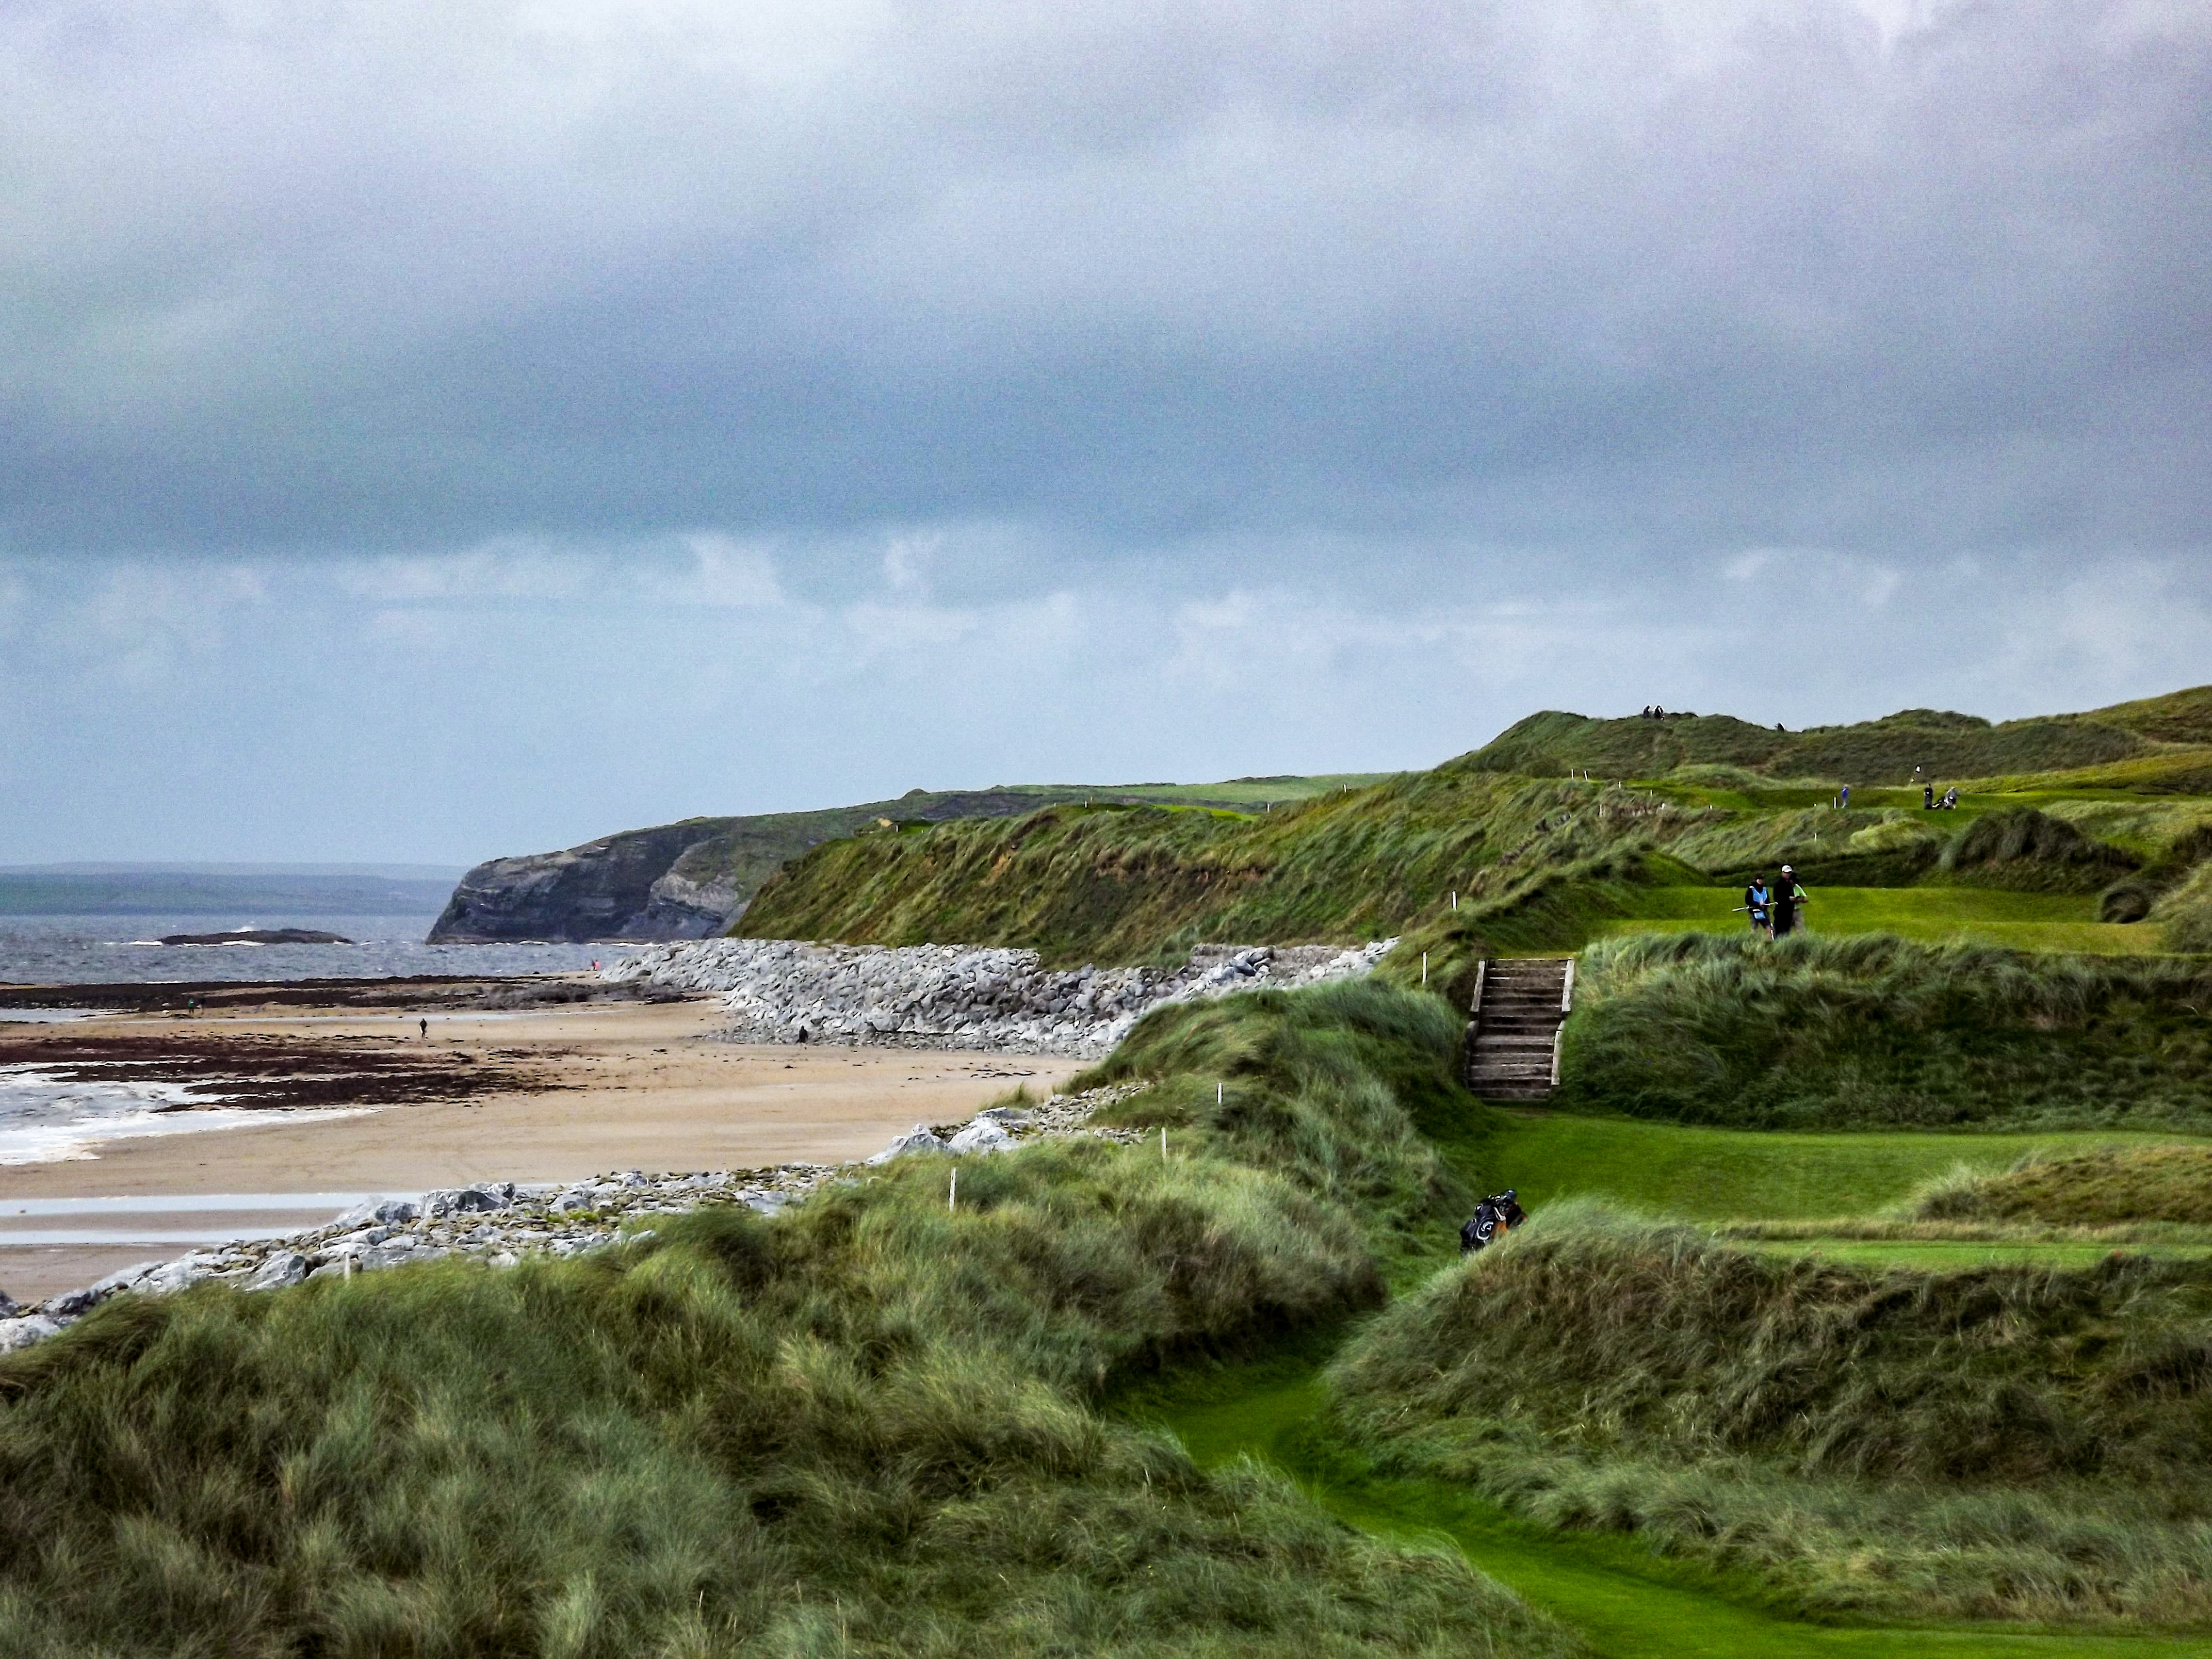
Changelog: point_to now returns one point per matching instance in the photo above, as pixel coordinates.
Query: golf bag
(1498, 1213)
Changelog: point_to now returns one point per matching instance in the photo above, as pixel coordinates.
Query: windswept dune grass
(2185, 913)
(2078, 1187)
(2008, 1443)
(866, 1426)
(1145, 884)
(1817, 1031)
(1346, 1089)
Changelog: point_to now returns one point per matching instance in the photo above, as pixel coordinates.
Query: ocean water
(121, 949)
(45, 1116)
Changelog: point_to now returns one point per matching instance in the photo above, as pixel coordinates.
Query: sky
(432, 432)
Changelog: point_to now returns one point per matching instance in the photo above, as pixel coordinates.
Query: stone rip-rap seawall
(957, 996)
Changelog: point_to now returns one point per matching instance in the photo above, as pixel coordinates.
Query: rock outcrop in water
(951, 996)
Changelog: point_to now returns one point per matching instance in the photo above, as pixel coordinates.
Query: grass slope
(2098, 1186)
(1813, 1032)
(1886, 751)
(1632, 1602)
(2005, 1443)
(1347, 1090)
(867, 1427)
(1145, 884)
(1536, 864)
(2185, 913)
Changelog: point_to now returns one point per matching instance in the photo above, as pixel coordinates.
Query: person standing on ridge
(1788, 899)
(1843, 798)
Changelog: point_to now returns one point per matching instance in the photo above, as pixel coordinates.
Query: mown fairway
(1979, 915)
(1725, 1175)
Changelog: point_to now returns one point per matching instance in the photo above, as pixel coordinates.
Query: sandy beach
(571, 1093)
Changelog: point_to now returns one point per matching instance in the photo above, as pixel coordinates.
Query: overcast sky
(431, 431)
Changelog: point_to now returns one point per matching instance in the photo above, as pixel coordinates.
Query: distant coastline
(238, 891)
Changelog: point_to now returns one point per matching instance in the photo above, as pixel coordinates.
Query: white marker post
(1424, 967)
(952, 1196)
(1163, 1143)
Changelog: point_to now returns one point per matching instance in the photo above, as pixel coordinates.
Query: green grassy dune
(1818, 1031)
(870, 1425)
(2015, 1442)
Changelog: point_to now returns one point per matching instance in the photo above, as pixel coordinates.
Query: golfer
(1788, 899)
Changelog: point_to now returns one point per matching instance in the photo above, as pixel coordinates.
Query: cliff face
(603, 889)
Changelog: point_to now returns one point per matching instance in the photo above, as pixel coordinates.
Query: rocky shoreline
(951, 996)
(500, 1223)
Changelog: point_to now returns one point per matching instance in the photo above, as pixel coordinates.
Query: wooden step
(1514, 1028)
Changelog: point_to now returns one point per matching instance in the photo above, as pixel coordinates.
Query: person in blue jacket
(1758, 900)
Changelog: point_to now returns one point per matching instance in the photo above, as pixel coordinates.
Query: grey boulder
(286, 1268)
(983, 1135)
(388, 1212)
(121, 1279)
(916, 1140)
(170, 1277)
(22, 1332)
(466, 1200)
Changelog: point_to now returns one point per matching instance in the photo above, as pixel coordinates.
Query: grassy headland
(1500, 851)
(1146, 883)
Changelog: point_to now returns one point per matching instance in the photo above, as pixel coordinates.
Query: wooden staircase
(1513, 1041)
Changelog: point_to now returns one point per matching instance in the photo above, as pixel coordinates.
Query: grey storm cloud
(436, 430)
(1572, 273)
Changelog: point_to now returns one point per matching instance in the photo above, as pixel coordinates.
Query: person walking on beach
(1756, 898)
(425, 1024)
(1788, 899)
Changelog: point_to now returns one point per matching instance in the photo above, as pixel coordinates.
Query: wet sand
(587, 1091)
